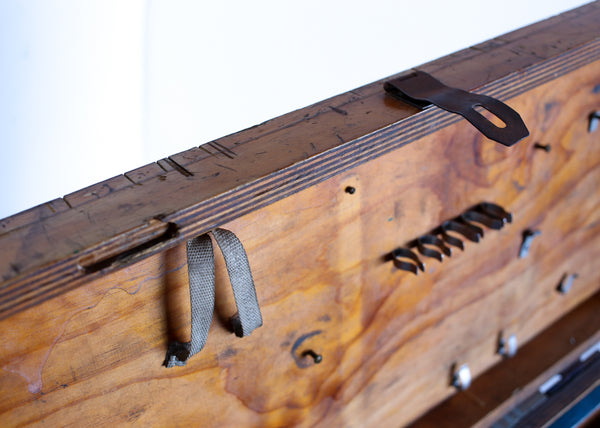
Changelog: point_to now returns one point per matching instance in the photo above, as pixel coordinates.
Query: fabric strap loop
(201, 273)
(248, 317)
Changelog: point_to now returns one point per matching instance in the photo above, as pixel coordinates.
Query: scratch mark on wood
(226, 167)
(206, 150)
(33, 376)
(339, 110)
(161, 167)
(178, 167)
(220, 147)
(89, 217)
(129, 178)
(50, 207)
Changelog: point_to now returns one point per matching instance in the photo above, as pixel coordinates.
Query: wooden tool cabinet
(94, 285)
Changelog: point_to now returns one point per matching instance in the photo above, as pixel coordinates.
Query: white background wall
(91, 89)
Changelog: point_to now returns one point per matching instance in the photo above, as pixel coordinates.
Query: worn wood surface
(41, 250)
(507, 384)
(388, 339)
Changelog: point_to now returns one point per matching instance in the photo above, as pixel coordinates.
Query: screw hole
(351, 190)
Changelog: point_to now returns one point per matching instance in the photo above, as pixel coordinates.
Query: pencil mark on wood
(226, 167)
(339, 111)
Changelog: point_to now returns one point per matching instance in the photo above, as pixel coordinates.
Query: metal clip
(495, 211)
(429, 252)
(486, 220)
(485, 213)
(451, 240)
(474, 228)
(472, 233)
(421, 90)
(400, 253)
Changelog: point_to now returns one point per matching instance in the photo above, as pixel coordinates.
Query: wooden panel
(212, 185)
(144, 173)
(97, 191)
(508, 383)
(388, 339)
(33, 215)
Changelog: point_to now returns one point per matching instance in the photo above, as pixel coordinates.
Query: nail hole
(350, 190)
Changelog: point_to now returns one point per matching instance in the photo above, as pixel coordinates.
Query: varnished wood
(508, 383)
(208, 186)
(388, 339)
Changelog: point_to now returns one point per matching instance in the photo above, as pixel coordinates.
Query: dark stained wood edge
(142, 174)
(513, 380)
(30, 278)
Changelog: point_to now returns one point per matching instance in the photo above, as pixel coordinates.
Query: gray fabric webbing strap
(248, 316)
(201, 272)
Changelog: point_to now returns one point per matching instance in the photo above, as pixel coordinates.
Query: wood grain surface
(389, 339)
(41, 250)
(510, 382)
